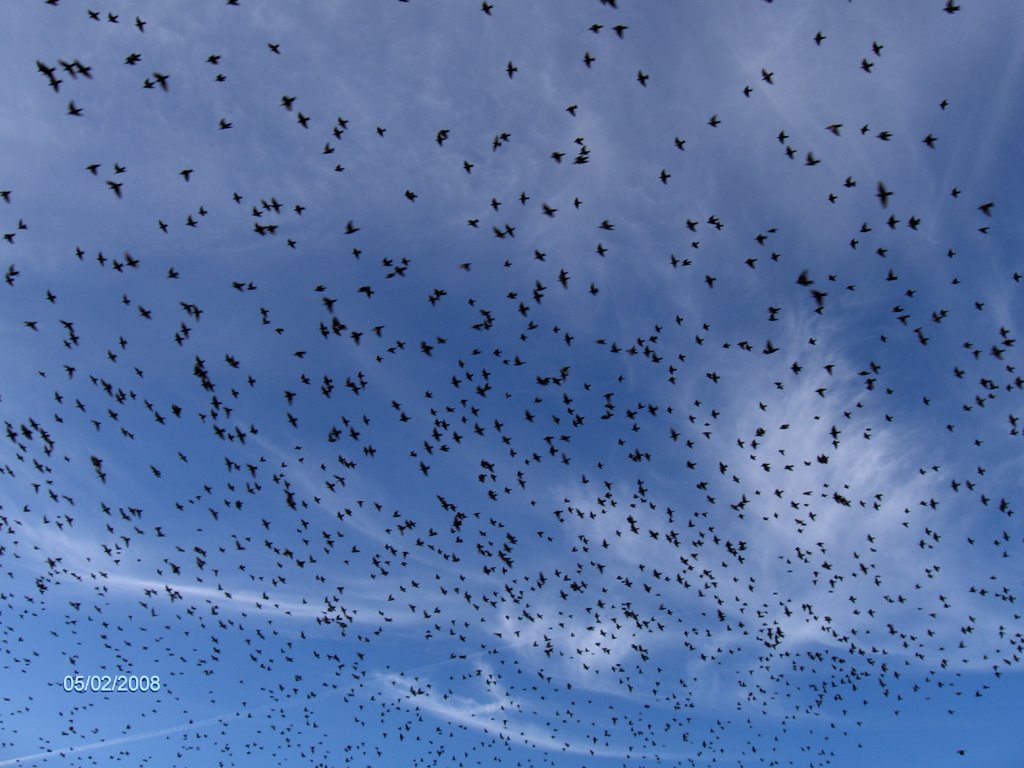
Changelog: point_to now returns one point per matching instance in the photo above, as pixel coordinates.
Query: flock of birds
(497, 437)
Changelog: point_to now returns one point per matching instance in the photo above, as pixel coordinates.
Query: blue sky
(402, 389)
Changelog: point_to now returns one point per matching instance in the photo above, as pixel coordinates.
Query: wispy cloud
(499, 716)
(63, 753)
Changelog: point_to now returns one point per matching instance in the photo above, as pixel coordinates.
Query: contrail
(108, 743)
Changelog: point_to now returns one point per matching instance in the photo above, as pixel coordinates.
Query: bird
(883, 194)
